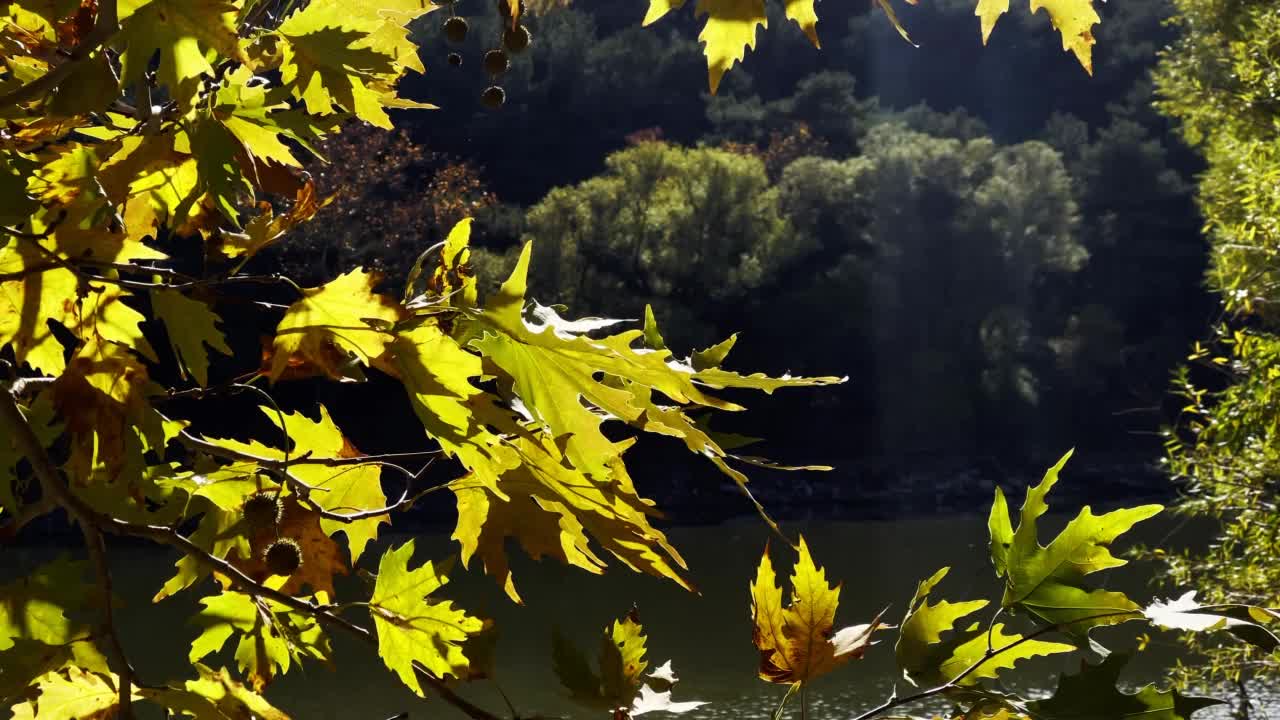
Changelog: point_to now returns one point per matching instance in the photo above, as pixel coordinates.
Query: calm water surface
(707, 634)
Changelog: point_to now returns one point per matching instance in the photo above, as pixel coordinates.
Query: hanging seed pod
(455, 29)
(493, 97)
(455, 59)
(516, 41)
(283, 557)
(262, 510)
(496, 62)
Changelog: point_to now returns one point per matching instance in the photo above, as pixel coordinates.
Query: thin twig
(894, 701)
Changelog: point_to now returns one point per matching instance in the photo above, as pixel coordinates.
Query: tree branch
(894, 701)
(104, 28)
(28, 446)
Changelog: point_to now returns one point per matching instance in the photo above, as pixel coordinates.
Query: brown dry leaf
(321, 557)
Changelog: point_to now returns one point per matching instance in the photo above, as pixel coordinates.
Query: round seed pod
(455, 29)
(516, 41)
(283, 557)
(262, 510)
(493, 97)
(496, 62)
(455, 59)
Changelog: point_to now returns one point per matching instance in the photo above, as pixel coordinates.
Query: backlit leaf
(798, 643)
(1049, 582)
(1092, 693)
(412, 628)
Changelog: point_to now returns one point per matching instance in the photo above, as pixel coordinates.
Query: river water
(707, 635)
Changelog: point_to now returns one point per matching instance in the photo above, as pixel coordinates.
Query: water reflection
(706, 634)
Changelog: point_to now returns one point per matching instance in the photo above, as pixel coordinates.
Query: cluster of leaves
(1218, 80)
(731, 25)
(151, 149)
(945, 654)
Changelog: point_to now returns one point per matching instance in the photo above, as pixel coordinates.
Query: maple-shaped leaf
(804, 15)
(73, 694)
(334, 325)
(730, 30)
(28, 304)
(220, 533)
(467, 422)
(328, 60)
(271, 635)
(24, 661)
(342, 489)
(1255, 625)
(213, 696)
(191, 327)
(926, 658)
(182, 32)
(1048, 582)
(1092, 694)
(1074, 19)
(34, 608)
(798, 642)
(556, 511)
(620, 686)
(104, 316)
(413, 629)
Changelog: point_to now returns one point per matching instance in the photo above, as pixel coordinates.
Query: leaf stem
(894, 701)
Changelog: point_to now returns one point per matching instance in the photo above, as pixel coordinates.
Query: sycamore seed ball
(455, 29)
(455, 59)
(283, 557)
(496, 62)
(516, 41)
(493, 97)
(262, 510)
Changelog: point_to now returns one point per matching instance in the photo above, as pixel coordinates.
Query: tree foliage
(150, 159)
(1217, 82)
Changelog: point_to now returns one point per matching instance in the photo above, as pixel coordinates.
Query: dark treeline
(1001, 252)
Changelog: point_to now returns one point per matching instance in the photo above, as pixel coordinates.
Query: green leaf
(1007, 651)
(618, 685)
(412, 629)
(1092, 695)
(73, 694)
(1049, 582)
(214, 696)
(191, 326)
(713, 357)
(182, 32)
(271, 635)
(34, 607)
(919, 651)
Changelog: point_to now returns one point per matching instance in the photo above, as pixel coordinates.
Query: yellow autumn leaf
(804, 15)
(1075, 20)
(729, 32)
(192, 327)
(414, 630)
(797, 643)
(74, 694)
(330, 326)
(989, 11)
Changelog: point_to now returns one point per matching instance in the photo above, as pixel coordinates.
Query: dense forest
(1002, 252)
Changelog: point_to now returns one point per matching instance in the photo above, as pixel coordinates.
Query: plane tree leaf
(976, 652)
(271, 636)
(182, 32)
(412, 629)
(1092, 694)
(73, 694)
(620, 686)
(1049, 582)
(798, 642)
(192, 327)
(334, 327)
